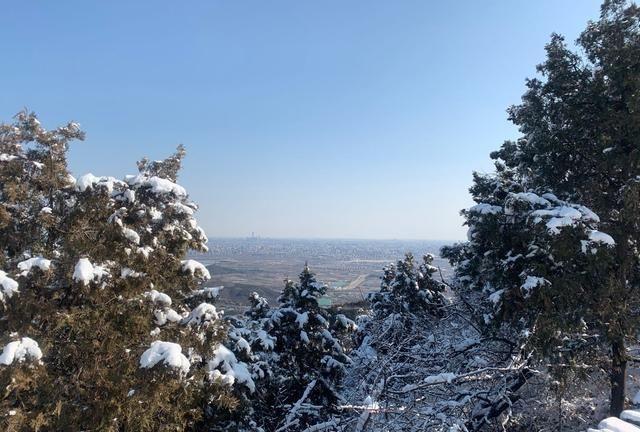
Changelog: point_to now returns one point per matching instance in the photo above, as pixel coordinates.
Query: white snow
(266, 341)
(157, 297)
(346, 323)
(183, 209)
(558, 217)
(88, 181)
(632, 416)
(209, 292)
(564, 215)
(145, 251)
(616, 425)
(7, 157)
(99, 272)
(484, 208)
(19, 351)
(304, 337)
(600, 237)
(127, 272)
(496, 296)
(243, 345)
(156, 215)
(83, 271)
(532, 282)
(232, 369)
(8, 286)
(47, 210)
(371, 404)
(39, 262)
(156, 184)
(129, 195)
(168, 353)
(445, 377)
(302, 319)
(194, 267)
(204, 312)
(588, 214)
(531, 198)
(166, 315)
(551, 198)
(131, 235)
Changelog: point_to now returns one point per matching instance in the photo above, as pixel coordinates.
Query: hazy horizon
(259, 237)
(301, 119)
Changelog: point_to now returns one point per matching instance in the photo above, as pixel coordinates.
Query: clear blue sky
(359, 119)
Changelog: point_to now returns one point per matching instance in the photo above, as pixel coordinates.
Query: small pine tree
(309, 358)
(408, 289)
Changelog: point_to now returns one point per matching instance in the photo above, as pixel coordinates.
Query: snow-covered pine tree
(535, 270)
(580, 131)
(95, 327)
(309, 360)
(397, 350)
(407, 288)
(247, 357)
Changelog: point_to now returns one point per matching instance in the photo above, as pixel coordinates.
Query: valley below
(350, 268)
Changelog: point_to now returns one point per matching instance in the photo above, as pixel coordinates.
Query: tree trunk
(618, 377)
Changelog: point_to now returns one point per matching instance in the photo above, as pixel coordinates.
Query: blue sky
(341, 119)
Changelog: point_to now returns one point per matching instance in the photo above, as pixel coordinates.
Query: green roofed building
(324, 302)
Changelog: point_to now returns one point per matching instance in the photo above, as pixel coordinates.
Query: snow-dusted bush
(300, 358)
(421, 364)
(408, 288)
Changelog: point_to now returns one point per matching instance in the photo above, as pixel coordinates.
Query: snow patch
(157, 297)
(39, 262)
(532, 282)
(600, 237)
(194, 267)
(484, 209)
(156, 184)
(201, 314)
(233, 370)
(131, 235)
(169, 353)
(19, 351)
(83, 271)
(441, 378)
(496, 296)
(8, 286)
(89, 181)
(531, 198)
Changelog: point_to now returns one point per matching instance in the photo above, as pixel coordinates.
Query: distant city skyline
(359, 120)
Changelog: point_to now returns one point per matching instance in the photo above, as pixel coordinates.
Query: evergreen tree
(535, 269)
(310, 359)
(96, 331)
(420, 362)
(407, 288)
(580, 138)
